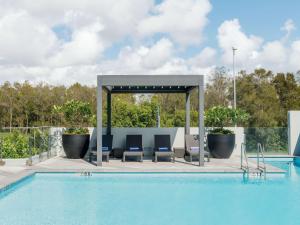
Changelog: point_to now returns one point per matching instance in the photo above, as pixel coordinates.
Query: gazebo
(150, 84)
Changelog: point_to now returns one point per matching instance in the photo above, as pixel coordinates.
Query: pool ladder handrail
(260, 154)
(244, 157)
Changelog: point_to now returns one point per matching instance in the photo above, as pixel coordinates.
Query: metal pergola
(150, 84)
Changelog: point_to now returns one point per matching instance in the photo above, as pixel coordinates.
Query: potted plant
(75, 138)
(221, 141)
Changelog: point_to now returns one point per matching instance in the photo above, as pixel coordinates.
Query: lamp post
(233, 72)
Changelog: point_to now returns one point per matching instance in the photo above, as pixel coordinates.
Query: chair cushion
(134, 149)
(194, 149)
(163, 149)
(104, 148)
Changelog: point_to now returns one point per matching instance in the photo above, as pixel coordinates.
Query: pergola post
(201, 121)
(108, 131)
(99, 121)
(187, 113)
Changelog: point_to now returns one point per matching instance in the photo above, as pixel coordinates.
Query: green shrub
(76, 114)
(15, 145)
(220, 116)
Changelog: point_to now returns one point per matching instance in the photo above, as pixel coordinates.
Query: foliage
(24, 144)
(15, 145)
(76, 114)
(274, 139)
(76, 130)
(218, 89)
(264, 95)
(134, 115)
(220, 117)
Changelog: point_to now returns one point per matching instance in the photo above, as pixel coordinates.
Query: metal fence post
(2, 162)
(29, 161)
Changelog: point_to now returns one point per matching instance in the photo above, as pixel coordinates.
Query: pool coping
(12, 181)
(16, 178)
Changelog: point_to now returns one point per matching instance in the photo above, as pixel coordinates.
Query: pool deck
(10, 174)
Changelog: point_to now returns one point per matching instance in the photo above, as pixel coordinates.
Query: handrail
(2, 162)
(244, 156)
(260, 154)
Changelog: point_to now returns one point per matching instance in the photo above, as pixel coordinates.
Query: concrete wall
(177, 137)
(294, 132)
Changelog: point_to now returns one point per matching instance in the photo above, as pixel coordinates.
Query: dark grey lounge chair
(134, 147)
(192, 147)
(162, 147)
(107, 141)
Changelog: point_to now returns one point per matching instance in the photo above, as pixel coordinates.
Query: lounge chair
(107, 141)
(134, 147)
(162, 147)
(192, 147)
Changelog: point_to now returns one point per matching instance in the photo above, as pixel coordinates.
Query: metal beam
(151, 80)
(99, 121)
(201, 123)
(187, 113)
(108, 130)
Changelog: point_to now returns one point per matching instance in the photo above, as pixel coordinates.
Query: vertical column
(201, 121)
(99, 121)
(187, 112)
(108, 131)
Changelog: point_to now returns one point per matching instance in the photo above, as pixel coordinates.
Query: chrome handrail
(244, 157)
(260, 154)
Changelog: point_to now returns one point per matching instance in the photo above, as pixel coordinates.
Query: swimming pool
(185, 199)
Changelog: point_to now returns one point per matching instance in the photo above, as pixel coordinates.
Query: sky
(68, 41)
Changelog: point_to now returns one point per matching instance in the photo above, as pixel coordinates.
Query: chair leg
(123, 159)
(155, 158)
(173, 158)
(191, 158)
(141, 157)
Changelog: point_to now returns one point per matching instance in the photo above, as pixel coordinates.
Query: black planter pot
(220, 145)
(75, 145)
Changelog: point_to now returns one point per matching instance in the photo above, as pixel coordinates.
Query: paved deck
(11, 174)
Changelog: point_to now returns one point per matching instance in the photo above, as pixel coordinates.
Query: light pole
(233, 72)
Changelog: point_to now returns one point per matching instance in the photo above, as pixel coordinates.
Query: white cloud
(85, 47)
(24, 40)
(231, 35)
(183, 20)
(273, 54)
(294, 56)
(289, 26)
(278, 55)
(207, 57)
(158, 54)
(31, 50)
(119, 17)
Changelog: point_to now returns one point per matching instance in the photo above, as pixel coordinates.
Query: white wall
(177, 137)
(294, 132)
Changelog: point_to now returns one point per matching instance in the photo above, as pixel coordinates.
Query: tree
(217, 90)
(258, 97)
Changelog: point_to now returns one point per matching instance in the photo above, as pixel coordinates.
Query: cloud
(119, 17)
(62, 42)
(294, 56)
(231, 35)
(207, 57)
(24, 40)
(84, 48)
(289, 26)
(184, 20)
(277, 55)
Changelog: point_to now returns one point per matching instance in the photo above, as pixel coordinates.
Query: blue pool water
(154, 199)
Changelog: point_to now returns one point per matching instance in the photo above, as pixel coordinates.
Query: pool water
(156, 199)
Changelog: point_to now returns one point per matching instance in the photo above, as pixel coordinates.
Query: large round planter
(221, 146)
(75, 145)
